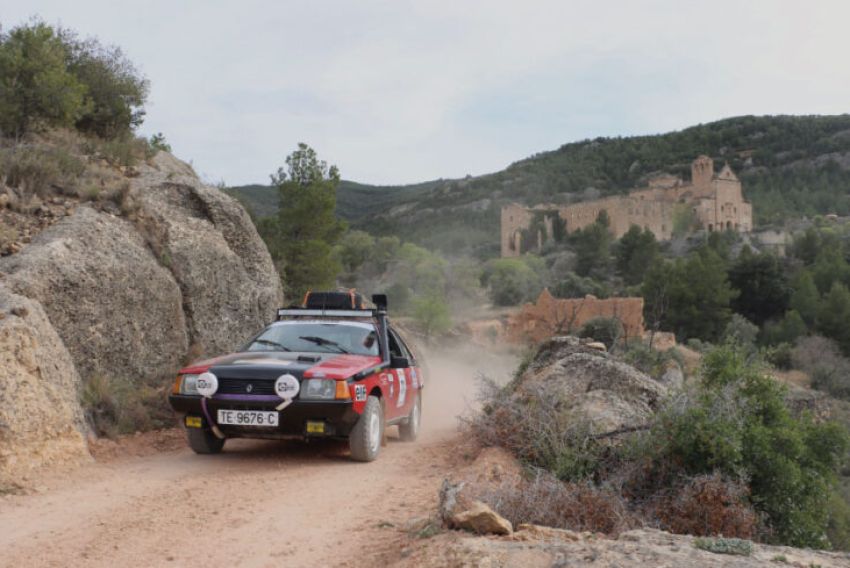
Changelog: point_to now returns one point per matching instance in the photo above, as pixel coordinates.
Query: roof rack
(336, 304)
(295, 312)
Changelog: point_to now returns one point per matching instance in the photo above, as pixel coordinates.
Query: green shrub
(607, 330)
(431, 314)
(511, 281)
(735, 421)
(651, 361)
(157, 143)
(37, 90)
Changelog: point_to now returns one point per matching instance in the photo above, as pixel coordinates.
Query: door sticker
(359, 393)
(402, 388)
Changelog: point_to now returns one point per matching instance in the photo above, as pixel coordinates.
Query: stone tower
(702, 171)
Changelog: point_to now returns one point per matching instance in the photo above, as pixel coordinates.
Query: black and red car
(329, 369)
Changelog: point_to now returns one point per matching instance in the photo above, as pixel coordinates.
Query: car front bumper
(338, 416)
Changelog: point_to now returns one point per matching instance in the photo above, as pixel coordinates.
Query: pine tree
(302, 234)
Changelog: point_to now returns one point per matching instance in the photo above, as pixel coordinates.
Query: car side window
(398, 348)
(395, 345)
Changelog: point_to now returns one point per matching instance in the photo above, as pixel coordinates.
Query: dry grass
(544, 500)
(115, 406)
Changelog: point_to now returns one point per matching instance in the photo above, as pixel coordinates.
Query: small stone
(597, 345)
(481, 519)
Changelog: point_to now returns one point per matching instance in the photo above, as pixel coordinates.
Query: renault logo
(249, 388)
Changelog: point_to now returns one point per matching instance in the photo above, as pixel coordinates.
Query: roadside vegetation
(724, 456)
(69, 108)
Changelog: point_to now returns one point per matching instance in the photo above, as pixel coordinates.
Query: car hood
(272, 364)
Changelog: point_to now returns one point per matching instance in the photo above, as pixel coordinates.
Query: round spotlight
(287, 386)
(207, 384)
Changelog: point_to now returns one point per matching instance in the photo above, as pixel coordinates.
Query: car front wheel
(202, 441)
(366, 436)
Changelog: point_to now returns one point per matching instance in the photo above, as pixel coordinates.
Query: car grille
(241, 386)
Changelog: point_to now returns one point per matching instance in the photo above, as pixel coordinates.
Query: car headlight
(318, 389)
(189, 384)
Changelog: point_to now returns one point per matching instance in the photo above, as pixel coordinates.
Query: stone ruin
(712, 201)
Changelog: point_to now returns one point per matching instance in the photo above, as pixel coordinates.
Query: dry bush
(544, 500)
(8, 235)
(36, 171)
(124, 150)
(532, 425)
(822, 360)
(706, 505)
(116, 406)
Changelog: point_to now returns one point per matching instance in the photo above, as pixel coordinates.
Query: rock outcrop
(532, 547)
(613, 396)
(118, 311)
(228, 282)
(125, 291)
(40, 417)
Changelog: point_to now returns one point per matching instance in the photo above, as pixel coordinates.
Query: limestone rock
(124, 296)
(614, 397)
(481, 519)
(229, 284)
(41, 422)
(117, 310)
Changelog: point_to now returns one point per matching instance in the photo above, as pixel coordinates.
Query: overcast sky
(398, 92)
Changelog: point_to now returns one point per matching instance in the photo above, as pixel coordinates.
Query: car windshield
(320, 337)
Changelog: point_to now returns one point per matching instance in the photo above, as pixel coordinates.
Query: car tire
(409, 431)
(368, 432)
(202, 441)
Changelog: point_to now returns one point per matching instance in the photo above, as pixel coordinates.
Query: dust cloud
(451, 375)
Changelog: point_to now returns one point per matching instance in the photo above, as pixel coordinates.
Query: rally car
(330, 368)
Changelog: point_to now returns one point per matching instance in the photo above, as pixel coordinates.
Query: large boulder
(229, 284)
(117, 310)
(124, 289)
(41, 423)
(611, 396)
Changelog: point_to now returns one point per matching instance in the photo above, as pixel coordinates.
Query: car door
(405, 379)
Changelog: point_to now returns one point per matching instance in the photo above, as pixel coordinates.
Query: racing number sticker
(402, 388)
(360, 393)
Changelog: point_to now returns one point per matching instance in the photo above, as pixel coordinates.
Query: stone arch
(728, 225)
(710, 228)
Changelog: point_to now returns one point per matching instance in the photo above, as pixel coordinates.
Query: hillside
(790, 166)
(354, 200)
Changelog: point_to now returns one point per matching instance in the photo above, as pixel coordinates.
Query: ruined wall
(515, 218)
(550, 316)
(623, 212)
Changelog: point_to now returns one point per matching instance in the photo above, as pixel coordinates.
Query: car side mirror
(399, 362)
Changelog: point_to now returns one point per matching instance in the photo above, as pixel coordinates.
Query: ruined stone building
(551, 316)
(710, 201)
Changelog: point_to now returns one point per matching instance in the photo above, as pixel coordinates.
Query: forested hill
(790, 166)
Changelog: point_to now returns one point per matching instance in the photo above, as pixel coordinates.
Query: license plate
(315, 427)
(247, 417)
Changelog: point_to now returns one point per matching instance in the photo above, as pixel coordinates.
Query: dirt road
(258, 504)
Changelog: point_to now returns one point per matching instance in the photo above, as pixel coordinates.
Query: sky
(400, 92)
